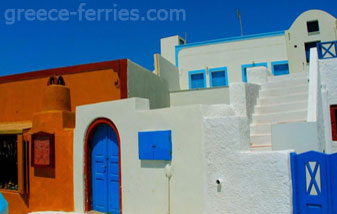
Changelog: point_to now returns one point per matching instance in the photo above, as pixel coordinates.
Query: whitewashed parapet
(313, 86)
(243, 98)
(257, 75)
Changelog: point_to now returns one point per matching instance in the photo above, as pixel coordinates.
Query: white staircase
(282, 99)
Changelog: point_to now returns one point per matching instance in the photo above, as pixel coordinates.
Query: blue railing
(327, 50)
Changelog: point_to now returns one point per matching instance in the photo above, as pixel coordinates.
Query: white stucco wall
(200, 96)
(328, 73)
(231, 55)
(328, 76)
(168, 46)
(297, 35)
(243, 98)
(258, 75)
(252, 182)
(167, 71)
(144, 183)
(207, 144)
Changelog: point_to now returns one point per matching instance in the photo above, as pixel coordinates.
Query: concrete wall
(21, 99)
(328, 76)
(168, 46)
(232, 55)
(300, 136)
(200, 96)
(297, 35)
(167, 71)
(207, 145)
(143, 83)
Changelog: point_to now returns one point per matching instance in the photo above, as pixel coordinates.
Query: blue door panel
(314, 209)
(113, 153)
(105, 170)
(314, 177)
(313, 165)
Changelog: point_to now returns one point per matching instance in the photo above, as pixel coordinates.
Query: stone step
(288, 77)
(284, 84)
(282, 99)
(284, 107)
(283, 91)
(265, 128)
(260, 139)
(280, 117)
(261, 148)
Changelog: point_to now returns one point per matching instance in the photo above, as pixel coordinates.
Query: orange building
(37, 122)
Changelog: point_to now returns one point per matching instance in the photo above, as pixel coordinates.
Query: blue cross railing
(327, 50)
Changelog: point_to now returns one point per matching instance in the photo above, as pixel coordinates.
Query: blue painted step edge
(3, 205)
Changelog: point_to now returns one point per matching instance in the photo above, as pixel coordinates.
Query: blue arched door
(105, 170)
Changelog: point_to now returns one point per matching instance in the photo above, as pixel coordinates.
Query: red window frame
(333, 114)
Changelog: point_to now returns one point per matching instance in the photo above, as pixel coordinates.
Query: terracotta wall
(19, 100)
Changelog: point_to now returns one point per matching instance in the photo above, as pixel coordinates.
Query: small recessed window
(218, 78)
(197, 79)
(313, 26)
(280, 68)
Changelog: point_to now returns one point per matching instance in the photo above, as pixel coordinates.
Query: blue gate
(314, 178)
(105, 170)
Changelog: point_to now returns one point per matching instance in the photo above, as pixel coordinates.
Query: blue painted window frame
(279, 63)
(243, 67)
(213, 70)
(202, 71)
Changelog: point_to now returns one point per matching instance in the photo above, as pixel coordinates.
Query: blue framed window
(218, 77)
(280, 68)
(197, 79)
(244, 69)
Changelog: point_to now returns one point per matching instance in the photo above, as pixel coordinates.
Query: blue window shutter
(197, 80)
(281, 69)
(145, 143)
(155, 145)
(218, 78)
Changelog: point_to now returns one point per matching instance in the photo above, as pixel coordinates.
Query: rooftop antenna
(238, 14)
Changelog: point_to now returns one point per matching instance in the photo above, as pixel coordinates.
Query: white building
(218, 62)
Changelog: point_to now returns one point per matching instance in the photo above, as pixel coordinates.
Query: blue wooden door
(105, 170)
(311, 184)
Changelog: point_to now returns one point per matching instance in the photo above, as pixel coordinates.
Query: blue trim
(3, 204)
(293, 180)
(211, 70)
(223, 40)
(279, 63)
(323, 51)
(244, 75)
(202, 71)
